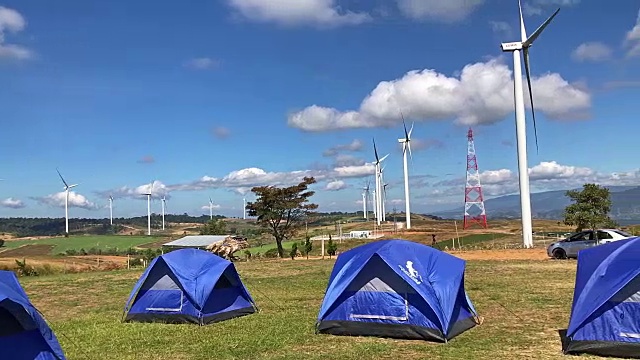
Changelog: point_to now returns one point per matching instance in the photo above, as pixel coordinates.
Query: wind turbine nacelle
(511, 46)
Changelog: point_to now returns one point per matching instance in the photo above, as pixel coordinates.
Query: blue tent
(397, 289)
(605, 314)
(189, 286)
(24, 335)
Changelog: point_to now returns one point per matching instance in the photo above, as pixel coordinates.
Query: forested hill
(56, 226)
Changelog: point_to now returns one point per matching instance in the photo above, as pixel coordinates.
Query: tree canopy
(214, 227)
(282, 210)
(590, 208)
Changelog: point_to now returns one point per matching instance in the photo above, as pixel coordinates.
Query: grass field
(523, 302)
(61, 244)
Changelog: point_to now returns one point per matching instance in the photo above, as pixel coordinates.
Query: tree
(214, 227)
(282, 210)
(307, 246)
(590, 209)
(332, 247)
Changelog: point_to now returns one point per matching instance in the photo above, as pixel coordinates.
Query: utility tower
(474, 212)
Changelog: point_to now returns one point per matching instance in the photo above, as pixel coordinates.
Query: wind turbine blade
(61, 178)
(526, 43)
(523, 31)
(533, 112)
(375, 150)
(406, 134)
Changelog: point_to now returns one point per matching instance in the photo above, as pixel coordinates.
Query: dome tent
(398, 289)
(189, 286)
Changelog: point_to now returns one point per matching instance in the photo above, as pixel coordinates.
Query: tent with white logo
(398, 289)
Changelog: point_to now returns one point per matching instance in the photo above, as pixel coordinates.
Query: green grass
(523, 303)
(85, 242)
(473, 239)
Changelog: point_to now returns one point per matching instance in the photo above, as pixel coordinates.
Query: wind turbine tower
(164, 204)
(406, 146)
(111, 209)
(66, 201)
(378, 171)
(149, 209)
(521, 136)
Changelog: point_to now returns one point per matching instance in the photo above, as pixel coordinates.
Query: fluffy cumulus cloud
(591, 51)
(156, 188)
(632, 39)
(321, 13)
(12, 22)
(75, 200)
(481, 94)
(547, 175)
(335, 185)
(437, 10)
(12, 203)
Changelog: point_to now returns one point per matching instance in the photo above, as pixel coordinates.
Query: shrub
(271, 253)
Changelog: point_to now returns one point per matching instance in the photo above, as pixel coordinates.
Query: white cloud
(156, 188)
(320, 13)
(214, 206)
(536, 7)
(592, 51)
(12, 22)
(632, 40)
(547, 175)
(438, 10)
(203, 63)
(335, 185)
(501, 28)
(75, 200)
(482, 94)
(12, 203)
(355, 145)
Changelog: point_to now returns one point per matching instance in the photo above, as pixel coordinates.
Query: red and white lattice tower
(474, 212)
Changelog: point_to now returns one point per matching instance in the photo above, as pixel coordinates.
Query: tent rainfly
(605, 314)
(189, 286)
(398, 289)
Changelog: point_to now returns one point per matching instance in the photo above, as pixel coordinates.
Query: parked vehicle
(569, 247)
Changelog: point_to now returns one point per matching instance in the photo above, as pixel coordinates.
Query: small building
(360, 234)
(195, 241)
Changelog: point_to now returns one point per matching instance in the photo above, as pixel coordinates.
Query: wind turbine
(210, 209)
(365, 198)
(164, 204)
(406, 145)
(111, 209)
(379, 214)
(149, 209)
(521, 135)
(66, 201)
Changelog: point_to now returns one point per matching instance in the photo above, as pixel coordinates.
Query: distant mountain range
(550, 205)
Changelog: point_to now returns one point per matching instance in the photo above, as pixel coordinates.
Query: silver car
(569, 247)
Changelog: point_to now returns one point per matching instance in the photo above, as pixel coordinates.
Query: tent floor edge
(394, 331)
(603, 348)
(162, 318)
(210, 319)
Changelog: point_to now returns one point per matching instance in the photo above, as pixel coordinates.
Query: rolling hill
(551, 204)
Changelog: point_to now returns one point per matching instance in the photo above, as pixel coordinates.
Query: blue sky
(211, 98)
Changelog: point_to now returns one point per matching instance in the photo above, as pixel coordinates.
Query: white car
(569, 247)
